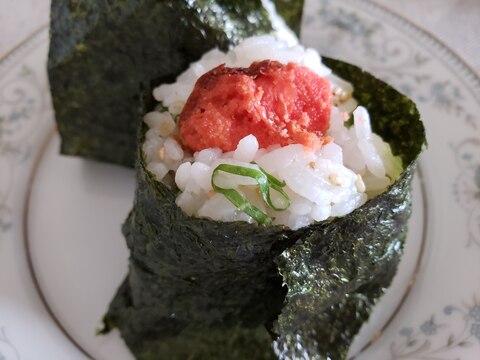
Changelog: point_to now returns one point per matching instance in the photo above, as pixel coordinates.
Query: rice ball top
(279, 104)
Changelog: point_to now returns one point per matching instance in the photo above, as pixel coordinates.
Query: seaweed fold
(203, 289)
(102, 52)
(341, 267)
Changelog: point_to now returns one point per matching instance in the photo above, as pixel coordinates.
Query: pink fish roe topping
(277, 103)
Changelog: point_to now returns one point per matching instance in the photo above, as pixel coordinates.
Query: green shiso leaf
(192, 279)
(204, 289)
(264, 180)
(103, 52)
(283, 201)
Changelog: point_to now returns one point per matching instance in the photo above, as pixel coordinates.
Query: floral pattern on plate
(7, 350)
(363, 33)
(379, 42)
(417, 342)
(395, 59)
(21, 102)
(466, 187)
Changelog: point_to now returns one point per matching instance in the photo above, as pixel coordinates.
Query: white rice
(257, 48)
(330, 182)
(281, 30)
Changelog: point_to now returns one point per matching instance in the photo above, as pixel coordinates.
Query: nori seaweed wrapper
(203, 289)
(102, 52)
(341, 267)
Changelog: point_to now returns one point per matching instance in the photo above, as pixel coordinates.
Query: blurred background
(455, 22)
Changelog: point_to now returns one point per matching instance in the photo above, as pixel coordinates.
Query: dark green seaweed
(339, 270)
(203, 289)
(334, 282)
(102, 52)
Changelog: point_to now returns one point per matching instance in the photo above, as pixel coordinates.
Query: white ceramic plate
(55, 210)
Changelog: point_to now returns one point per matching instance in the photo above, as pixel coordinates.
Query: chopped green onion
(265, 182)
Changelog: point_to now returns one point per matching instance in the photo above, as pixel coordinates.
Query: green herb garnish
(265, 182)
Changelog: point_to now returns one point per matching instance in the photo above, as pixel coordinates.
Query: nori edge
(203, 289)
